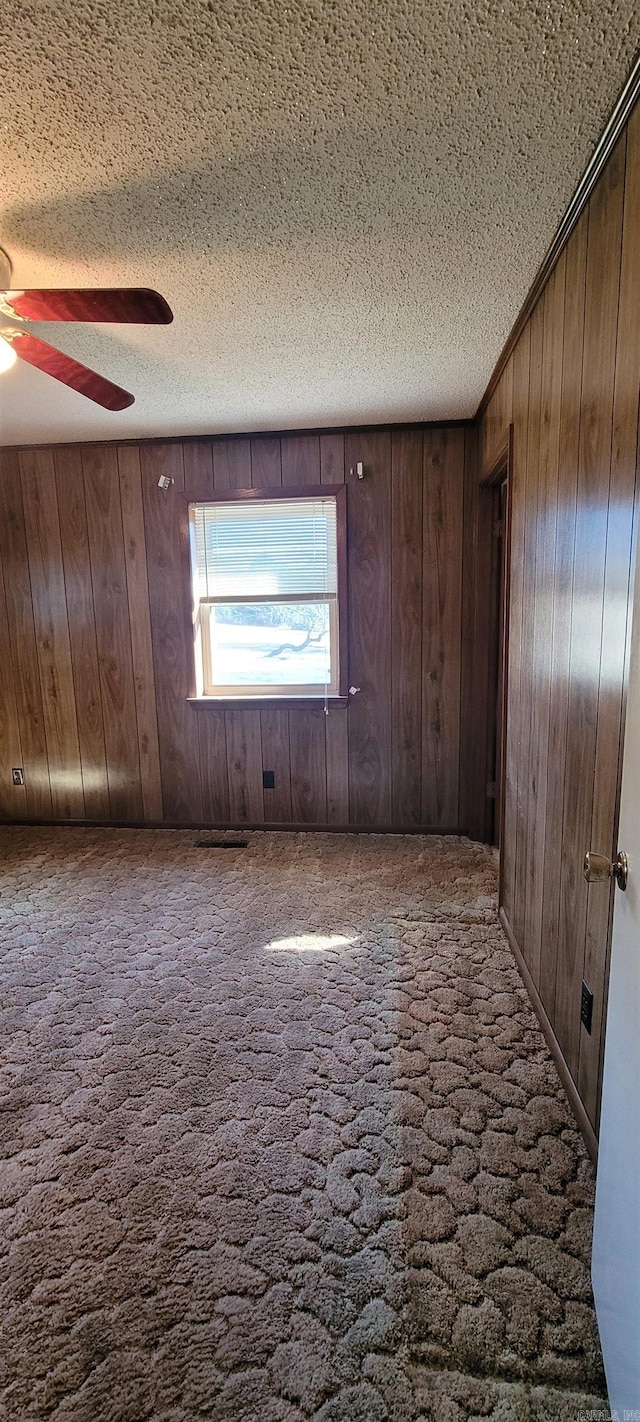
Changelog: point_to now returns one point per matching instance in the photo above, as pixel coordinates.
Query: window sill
(282, 703)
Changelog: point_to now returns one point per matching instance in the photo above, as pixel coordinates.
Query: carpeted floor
(282, 1139)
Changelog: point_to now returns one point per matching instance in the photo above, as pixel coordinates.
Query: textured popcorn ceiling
(344, 201)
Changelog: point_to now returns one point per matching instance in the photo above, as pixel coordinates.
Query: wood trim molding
(286, 827)
(283, 493)
(312, 430)
(501, 463)
(271, 703)
(586, 1129)
(602, 152)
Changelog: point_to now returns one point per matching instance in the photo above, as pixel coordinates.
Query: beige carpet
(282, 1139)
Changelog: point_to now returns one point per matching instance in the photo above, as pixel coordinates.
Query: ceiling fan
(137, 305)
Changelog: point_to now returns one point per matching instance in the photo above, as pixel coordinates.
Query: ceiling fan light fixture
(114, 305)
(7, 355)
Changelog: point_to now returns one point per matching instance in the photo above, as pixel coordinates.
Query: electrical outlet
(586, 1007)
(17, 775)
(269, 779)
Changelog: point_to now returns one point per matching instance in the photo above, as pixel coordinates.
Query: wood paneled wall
(95, 639)
(571, 391)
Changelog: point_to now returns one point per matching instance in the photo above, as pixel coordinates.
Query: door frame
(498, 474)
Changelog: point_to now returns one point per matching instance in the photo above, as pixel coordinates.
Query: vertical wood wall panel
(594, 463)
(441, 625)
(82, 631)
(570, 395)
(118, 580)
(509, 848)
(198, 467)
(337, 743)
(266, 463)
(244, 765)
(135, 553)
(22, 640)
(369, 551)
(300, 460)
(51, 625)
(407, 621)
(13, 798)
(332, 459)
(212, 744)
(276, 756)
(544, 615)
(308, 766)
(231, 464)
(528, 691)
(574, 529)
(177, 720)
(113, 630)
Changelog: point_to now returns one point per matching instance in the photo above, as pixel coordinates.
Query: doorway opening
(495, 490)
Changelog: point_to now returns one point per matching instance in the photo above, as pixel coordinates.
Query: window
(266, 582)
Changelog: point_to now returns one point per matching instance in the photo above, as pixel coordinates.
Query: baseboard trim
(293, 827)
(587, 1131)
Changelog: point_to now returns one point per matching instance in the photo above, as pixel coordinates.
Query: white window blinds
(266, 548)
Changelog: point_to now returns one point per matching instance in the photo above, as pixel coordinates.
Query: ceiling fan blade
(62, 367)
(134, 304)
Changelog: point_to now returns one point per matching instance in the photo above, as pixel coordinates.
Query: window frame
(283, 697)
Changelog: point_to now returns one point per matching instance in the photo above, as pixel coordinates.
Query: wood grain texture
(545, 563)
(198, 467)
(149, 754)
(231, 464)
(212, 741)
(308, 766)
(525, 811)
(51, 626)
(594, 465)
(407, 577)
(170, 624)
(13, 798)
(244, 766)
(369, 548)
(22, 640)
(441, 624)
(266, 463)
(337, 751)
(276, 756)
(332, 459)
(515, 709)
(570, 395)
(135, 554)
(574, 400)
(469, 810)
(300, 460)
(113, 631)
(76, 560)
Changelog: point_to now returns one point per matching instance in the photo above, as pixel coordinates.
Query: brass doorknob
(598, 869)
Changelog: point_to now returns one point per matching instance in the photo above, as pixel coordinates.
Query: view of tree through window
(265, 581)
(270, 644)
